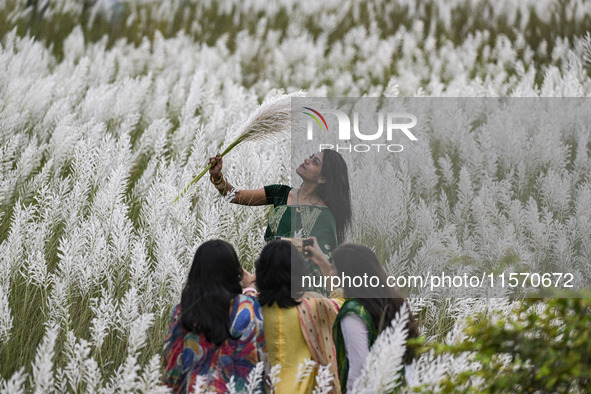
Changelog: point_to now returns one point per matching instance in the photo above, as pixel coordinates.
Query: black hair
(278, 271)
(214, 280)
(335, 192)
(382, 303)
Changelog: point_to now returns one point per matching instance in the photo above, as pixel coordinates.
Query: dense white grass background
(96, 144)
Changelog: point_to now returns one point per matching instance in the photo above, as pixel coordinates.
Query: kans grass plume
(271, 120)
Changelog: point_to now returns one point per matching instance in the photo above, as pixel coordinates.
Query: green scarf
(352, 305)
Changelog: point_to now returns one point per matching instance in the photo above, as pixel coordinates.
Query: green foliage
(544, 346)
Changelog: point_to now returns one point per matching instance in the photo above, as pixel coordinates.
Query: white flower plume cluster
(99, 135)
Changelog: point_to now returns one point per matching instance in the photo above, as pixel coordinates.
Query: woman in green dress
(320, 207)
(366, 312)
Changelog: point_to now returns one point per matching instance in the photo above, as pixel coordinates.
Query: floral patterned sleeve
(247, 326)
(261, 345)
(173, 348)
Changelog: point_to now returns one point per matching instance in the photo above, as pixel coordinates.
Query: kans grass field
(109, 108)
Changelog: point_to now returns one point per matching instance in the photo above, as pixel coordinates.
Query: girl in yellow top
(297, 328)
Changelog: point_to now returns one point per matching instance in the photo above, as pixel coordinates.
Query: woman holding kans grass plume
(297, 324)
(215, 338)
(320, 207)
(366, 312)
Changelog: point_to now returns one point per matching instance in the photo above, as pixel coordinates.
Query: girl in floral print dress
(215, 332)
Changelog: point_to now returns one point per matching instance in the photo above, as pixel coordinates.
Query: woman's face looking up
(311, 168)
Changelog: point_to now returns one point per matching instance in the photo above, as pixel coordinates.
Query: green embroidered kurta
(300, 221)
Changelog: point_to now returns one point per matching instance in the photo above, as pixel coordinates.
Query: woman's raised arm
(243, 197)
(318, 257)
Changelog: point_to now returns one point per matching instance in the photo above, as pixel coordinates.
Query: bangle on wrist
(249, 289)
(221, 186)
(221, 183)
(219, 179)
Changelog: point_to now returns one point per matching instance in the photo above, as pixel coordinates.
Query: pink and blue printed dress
(188, 354)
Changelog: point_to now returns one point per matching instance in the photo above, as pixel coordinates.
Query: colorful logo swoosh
(316, 119)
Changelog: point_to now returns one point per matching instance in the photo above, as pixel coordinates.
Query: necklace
(299, 208)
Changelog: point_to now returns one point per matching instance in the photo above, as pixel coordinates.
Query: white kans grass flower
(381, 371)
(106, 316)
(231, 386)
(93, 378)
(150, 380)
(6, 319)
(125, 378)
(139, 266)
(169, 268)
(70, 269)
(57, 303)
(271, 118)
(305, 369)
(324, 380)
(77, 354)
(138, 332)
(427, 371)
(36, 270)
(255, 377)
(16, 383)
(274, 378)
(61, 381)
(14, 243)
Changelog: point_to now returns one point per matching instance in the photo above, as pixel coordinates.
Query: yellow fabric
(338, 295)
(286, 346)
